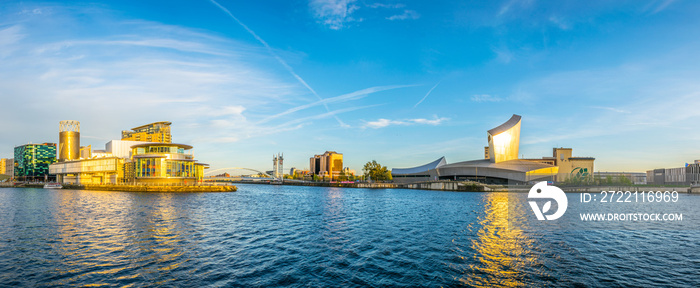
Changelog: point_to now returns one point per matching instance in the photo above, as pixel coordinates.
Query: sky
(399, 82)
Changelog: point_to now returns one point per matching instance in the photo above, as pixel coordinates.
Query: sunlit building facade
(499, 166)
(132, 162)
(32, 161)
(154, 132)
(329, 164)
(165, 163)
(504, 140)
(7, 166)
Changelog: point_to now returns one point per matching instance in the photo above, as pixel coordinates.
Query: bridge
(235, 177)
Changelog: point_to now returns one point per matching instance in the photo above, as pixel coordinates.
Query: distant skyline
(400, 82)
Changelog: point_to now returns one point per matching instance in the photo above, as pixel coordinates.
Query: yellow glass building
(165, 163)
(154, 132)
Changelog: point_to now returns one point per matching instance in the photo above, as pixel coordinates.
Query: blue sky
(400, 82)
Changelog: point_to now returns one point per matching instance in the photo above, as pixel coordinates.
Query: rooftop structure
(153, 132)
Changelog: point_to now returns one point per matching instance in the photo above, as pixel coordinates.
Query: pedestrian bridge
(208, 174)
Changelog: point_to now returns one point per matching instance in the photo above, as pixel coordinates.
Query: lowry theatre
(501, 164)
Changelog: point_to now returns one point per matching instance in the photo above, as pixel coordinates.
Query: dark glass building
(32, 161)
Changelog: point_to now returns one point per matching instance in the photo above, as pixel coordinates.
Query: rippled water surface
(311, 236)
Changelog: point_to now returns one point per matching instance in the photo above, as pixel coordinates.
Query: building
(620, 178)
(681, 176)
(132, 162)
(329, 164)
(165, 163)
(32, 161)
(68, 140)
(154, 132)
(501, 164)
(277, 170)
(7, 166)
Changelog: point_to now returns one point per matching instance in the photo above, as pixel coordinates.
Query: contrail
(279, 59)
(345, 97)
(426, 95)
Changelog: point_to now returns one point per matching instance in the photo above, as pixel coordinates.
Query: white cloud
(381, 123)
(407, 14)
(611, 109)
(383, 5)
(503, 55)
(560, 22)
(486, 98)
(333, 13)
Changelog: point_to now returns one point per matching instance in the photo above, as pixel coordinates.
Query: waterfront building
(681, 176)
(154, 132)
(620, 178)
(7, 166)
(277, 170)
(328, 164)
(132, 162)
(571, 169)
(68, 140)
(165, 163)
(32, 161)
(501, 164)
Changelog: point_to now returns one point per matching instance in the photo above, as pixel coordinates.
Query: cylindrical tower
(69, 140)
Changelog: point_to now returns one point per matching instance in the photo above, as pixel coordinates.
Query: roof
(505, 126)
(513, 165)
(185, 146)
(430, 166)
(161, 122)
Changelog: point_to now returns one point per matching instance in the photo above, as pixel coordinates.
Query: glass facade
(165, 161)
(33, 160)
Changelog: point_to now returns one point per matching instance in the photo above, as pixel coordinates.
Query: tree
(376, 171)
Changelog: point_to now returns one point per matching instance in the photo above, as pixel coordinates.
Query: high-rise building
(277, 161)
(328, 164)
(32, 161)
(154, 132)
(7, 166)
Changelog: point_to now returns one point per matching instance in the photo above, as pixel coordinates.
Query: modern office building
(132, 162)
(329, 164)
(32, 161)
(7, 166)
(154, 132)
(501, 164)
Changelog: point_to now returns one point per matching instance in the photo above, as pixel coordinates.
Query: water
(266, 236)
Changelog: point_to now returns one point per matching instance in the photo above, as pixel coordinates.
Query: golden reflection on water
(501, 254)
(110, 232)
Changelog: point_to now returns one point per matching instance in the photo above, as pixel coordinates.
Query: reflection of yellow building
(329, 164)
(504, 141)
(154, 132)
